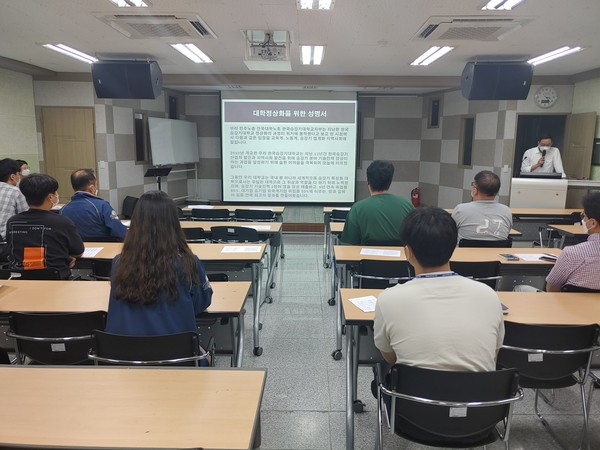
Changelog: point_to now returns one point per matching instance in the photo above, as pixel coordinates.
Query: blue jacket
(93, 217)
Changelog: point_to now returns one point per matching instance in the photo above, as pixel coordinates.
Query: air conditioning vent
(474, 28)
(164, 26)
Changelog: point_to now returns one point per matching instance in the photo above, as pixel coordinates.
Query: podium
(158, 173)
(538, 193)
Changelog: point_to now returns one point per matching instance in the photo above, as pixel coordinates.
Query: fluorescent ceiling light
(129, 3)
(65, 50)
(312, 54)
(192, 52)
(431, 55)
(501, 5)
(558, 53)
(315, 4)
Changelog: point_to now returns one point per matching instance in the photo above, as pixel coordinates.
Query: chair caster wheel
(326, 265)
(337, 355)
(260, 326)
(282, 256)
(272, 285)
(358, 406)
(269, 299)
(257, 351)
(331, 301)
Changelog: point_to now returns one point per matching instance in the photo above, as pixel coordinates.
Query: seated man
(484, 218)
(378, 217)
(93, 216)
(579, 265)
(39, 238)
(439, 320)
(12, 200)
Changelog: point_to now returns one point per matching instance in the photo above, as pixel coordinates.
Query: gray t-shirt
(485, 220)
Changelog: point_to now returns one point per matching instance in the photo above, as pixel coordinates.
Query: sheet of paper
(201, 206)
(529, 256)
(343, 209)
(127, 223)
(241, 249)
(365, 304)
(258, 227)
(90, 252)
(379, 252)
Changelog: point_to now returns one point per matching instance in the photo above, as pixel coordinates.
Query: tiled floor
(304, 400)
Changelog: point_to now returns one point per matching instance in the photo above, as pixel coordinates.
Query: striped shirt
(12, 202)
(578, 265)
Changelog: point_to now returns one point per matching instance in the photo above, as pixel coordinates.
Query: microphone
(543, 156)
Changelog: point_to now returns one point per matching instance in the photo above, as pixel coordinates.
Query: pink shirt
(578, 265)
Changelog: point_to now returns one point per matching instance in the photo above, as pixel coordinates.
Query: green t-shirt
(377, 218)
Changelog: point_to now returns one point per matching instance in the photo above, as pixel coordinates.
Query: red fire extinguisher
(415, 196)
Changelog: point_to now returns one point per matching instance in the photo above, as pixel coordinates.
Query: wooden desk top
(552, 308)
(569, 230)
(130, 407)
(232, 208)
(338, 227)
(328, 209)
(261, 227)
(80, 296)
(351, 253)
(206, 252)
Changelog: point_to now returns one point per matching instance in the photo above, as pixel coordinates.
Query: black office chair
(551, 357)
(448, 409)
(36, 274)
(254, 215)
(169, 349)
(487, 272)
(54, 338)
(504, 243)
(101, 269)
(375, 274)
(218, 215)
(195, 235)
(129, 203)
(571, 288)
(226, 234)
(180, 214)
(338, 215)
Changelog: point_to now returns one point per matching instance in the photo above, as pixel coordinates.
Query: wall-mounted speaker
(127, 79)
(496, 81)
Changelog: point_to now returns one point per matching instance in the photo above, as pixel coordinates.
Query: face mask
(545, 148)
(25, 172)
(584, 224)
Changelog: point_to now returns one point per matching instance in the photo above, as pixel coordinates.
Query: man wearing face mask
(12, 200)
(39, 238)
(578, 264)
(25, 172)
(93, 216)
(544, 158)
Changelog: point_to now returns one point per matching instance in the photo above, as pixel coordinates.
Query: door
(580, 131)
(68, 138)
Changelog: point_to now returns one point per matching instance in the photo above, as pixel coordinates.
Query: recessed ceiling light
(65, 50)
(130, 3)
(315, 4)
(431, 55)
(312, 54)
(558, 53)
(501, 5)
(192, 52)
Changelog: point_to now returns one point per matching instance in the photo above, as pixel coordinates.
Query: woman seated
(158, 286)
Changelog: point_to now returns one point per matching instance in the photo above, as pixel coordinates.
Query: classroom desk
(568, 230)
(347, 256)
(552, 308)
(212, 256)
(79, 296)
(109, 407)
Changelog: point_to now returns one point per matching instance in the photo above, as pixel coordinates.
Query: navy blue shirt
(167, 316)
(93, 216)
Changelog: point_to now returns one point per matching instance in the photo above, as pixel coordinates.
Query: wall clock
(545, 97)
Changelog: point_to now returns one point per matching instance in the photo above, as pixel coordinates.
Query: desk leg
(326, 242)
(273, 258)
(239, 355)
(256, 301)
(282, 250)
(349, 387)
(336, 274)
(563, 238)
(331, 300)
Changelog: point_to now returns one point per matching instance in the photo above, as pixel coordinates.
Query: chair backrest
(504, 243)
(101, 268)
(254, 215)
(339, 215)
(210, 214)
(180, 214)
(234, 234)
(571, 288)
(217, 277)
(194, 234)
(373, 274)
(36, 274)
(547, 353)
(54, 338)
(129, 203)
(168, 349)
(431, 422)
(487, 272)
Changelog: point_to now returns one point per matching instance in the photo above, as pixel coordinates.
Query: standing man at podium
(544, 158)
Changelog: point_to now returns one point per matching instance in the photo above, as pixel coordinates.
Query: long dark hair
(153, 245)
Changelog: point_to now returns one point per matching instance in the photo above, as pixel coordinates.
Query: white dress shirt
(552, 161)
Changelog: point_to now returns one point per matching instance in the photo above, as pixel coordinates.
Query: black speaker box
(127, 79)
(496, 81)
